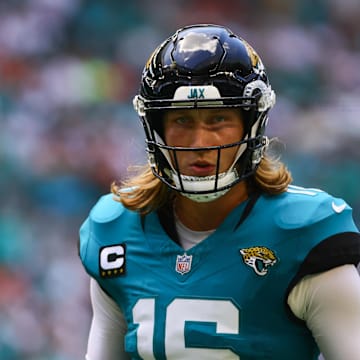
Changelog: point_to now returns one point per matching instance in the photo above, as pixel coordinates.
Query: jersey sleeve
(96, 232)
(325, 226)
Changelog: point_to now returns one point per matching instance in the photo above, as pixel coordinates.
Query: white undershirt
(328, 302)
(189, 238)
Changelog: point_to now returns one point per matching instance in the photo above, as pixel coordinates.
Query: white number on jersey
(223, 313)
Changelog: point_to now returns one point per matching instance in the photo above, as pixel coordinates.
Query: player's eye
(216, 119)
(219, 118)
(181, 120)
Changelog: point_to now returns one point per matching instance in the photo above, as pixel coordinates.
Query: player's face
(198, 128)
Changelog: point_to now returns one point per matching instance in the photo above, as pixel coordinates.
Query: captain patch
(112, 260)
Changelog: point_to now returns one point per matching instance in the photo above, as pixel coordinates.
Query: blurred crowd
(68, 72)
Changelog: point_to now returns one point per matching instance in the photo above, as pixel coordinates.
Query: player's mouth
(201, 168)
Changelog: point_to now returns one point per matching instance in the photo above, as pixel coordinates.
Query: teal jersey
(225, 298)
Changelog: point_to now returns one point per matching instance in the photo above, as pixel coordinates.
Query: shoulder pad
(302, 207)
(106, 209)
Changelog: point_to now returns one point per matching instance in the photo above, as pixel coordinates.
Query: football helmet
(204, 66)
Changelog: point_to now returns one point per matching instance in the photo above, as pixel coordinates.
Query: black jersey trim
(167, 220)
(249, 206)
(337, 250)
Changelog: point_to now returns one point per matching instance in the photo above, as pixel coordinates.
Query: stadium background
(68, 71)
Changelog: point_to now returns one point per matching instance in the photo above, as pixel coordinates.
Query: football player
(209, 251)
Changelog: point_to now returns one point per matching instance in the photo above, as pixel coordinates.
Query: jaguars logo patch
(259, 258)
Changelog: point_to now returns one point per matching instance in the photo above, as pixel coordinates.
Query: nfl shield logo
(183, 264)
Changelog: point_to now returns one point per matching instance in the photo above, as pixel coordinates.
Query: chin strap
(202, 198)
(193, 184)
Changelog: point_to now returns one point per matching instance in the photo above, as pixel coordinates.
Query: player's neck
(209, 215)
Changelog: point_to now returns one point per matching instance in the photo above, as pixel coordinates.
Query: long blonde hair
(144, 192)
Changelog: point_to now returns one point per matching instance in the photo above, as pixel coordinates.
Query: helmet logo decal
(148, 63)
(255, 59)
